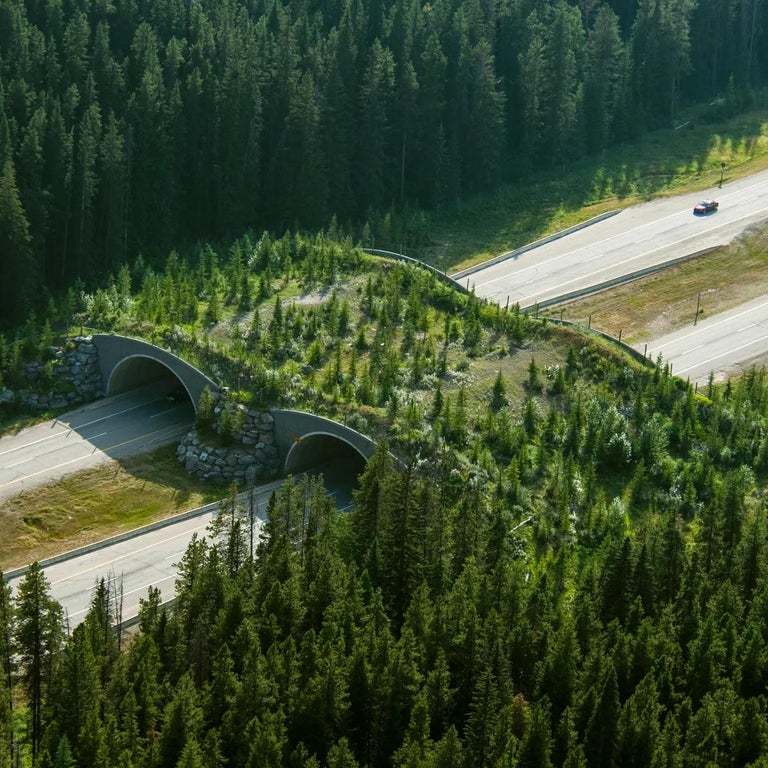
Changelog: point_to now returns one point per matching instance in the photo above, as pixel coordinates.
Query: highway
(639, 237)
(148, 559)
(113, 428)
(723, 343)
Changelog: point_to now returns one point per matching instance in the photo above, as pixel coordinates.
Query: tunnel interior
(336, 461)
(139, 372)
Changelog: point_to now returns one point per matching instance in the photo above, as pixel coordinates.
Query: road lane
(150, 559)
(138, 563)
(639, 237)
(722, 344)
(113, 428)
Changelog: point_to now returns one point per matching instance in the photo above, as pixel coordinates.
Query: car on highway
(705, 207)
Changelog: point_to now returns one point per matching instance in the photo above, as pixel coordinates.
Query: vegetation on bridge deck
(569, 570)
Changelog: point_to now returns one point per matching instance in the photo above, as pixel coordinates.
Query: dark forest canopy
(132, 126)
(626, 626)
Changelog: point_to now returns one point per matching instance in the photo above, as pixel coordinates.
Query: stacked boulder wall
(246, 456)
(72, 376)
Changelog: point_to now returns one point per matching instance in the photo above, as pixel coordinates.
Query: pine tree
(63, 757)
(7, 672)
(499, 394)
(536, 748)
(17, 267)
(38, 642)
(602, 730)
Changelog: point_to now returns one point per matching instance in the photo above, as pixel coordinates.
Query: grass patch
(653, 306)
(97, 503)
(547, 352)
(13, 423)
(667, 162)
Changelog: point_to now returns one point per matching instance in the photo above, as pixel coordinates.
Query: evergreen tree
(17, 267)
(38, 641)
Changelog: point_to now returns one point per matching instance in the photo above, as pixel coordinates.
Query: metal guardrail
(134, 533)
(589, 290)
(535, 244)
(444, 276)
(630, 350)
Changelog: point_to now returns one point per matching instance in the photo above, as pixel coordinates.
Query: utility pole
(722, 172)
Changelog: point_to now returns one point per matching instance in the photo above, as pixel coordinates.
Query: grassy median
(100, 502)
(667, 162)
(648, 308)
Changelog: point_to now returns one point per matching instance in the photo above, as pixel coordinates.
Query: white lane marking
(547, 291)
(704, 328)
(82, 443)
(692, 349)
(163, 413)
(612, 237)
(126, 594)
(74, 461)
(77, 427)
(763, 340)
(132, 553)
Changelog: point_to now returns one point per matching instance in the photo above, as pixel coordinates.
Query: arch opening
(140, 371)
(338, 462)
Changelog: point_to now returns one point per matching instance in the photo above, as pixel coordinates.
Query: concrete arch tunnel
(314, 444)
(305, 442)
(128, 364)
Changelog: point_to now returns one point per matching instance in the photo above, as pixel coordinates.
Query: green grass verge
(97, 503)
(664, 162)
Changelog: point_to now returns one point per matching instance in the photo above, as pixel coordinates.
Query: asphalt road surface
(722, 344)
(641, 236)
(146, 560)
(113, 428)
(151, 558)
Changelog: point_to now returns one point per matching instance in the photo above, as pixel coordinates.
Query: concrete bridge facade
(303, 440)
(130, 363)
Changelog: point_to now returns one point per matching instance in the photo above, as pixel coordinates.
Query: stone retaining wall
(250, 456)
(75, 377)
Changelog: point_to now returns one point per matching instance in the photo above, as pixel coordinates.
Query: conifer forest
(557, 557)
(135, 126)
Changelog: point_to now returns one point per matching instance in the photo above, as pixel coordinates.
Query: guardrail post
(589, 323)
(506, 308)
(621, 330)
(645, 351)
(698, 304)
